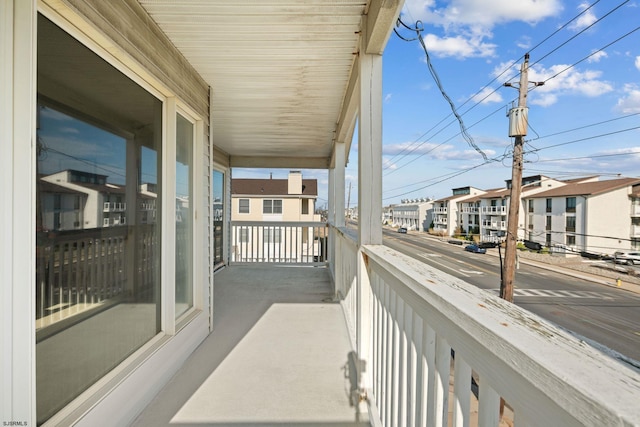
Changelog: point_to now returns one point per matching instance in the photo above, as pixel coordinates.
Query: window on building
(571, 240)
(548, 240)
(530, 221)
(271, 206)
(185, 130)
(243, 206)
(530, 206)
(571, 204)
(305, 206)
(117, 311)
(548, 223)
(571, 223)
(548, 205)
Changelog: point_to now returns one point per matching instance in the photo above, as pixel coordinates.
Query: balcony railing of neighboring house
(635, 210)
(635, 231)
(294, 243)
(81, 270)
(470, 210)
(495, 225)
(440, 220)
(440, 210)
(497, 210)
(114, 207)
(417, 322)
(491, 238)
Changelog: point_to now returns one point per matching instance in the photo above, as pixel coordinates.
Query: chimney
(295, 182)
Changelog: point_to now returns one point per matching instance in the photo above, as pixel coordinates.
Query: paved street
(605, 314)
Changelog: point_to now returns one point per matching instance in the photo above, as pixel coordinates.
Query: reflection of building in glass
(72, 199)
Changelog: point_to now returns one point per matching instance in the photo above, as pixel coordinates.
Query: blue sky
(475, 46)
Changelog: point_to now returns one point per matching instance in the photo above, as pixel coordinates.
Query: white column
(370, 150)
(18, 19)
(369, 194)
(339, 183)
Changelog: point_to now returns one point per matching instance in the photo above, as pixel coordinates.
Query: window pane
(184, 215)
(277, 206)
(97, 259)
(243, 206)
(267, 206)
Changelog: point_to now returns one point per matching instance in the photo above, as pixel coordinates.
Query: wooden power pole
(518, 122)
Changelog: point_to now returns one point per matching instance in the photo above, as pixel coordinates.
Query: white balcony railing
(414, 322)
(114, 207)
(440, 220)
(635, 231)
(635, 210)
(440, 210)
(470, 210)
(496, 210)
(297, 243)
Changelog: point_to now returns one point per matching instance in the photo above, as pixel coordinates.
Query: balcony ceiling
(279, 70)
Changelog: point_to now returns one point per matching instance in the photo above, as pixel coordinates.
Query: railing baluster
(432, 395)
(401, 363)
(488, 405)
(461, 392)
(388, 355)
(410, 361)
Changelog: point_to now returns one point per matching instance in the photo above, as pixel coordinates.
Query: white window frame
(240, 206)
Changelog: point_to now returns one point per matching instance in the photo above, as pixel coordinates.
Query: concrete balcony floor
(276, 356)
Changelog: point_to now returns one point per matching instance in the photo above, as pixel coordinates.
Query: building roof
(586, 188)
(271, 187)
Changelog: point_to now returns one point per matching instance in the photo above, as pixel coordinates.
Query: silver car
(629, 258)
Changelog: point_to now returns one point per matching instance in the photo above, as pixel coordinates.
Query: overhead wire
(419, 29)
(478, 102)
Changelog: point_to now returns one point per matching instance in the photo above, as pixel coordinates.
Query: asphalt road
(600, 313)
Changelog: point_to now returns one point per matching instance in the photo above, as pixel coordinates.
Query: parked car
(629, 258)
(402, 230)
(486, 245)
(475, 249)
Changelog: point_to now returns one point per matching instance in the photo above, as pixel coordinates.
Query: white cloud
(596, 57)
(387, 98)
(481, 13)
(570, 82)
(468, 24)
(630, 103)
(585, 19)
(487, 96)
(524, 42)
(459, 46)
(638, 62)
(434, 151)
(567, 81)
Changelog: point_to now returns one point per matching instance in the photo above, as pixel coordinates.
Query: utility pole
(518, 122)
(349, 200)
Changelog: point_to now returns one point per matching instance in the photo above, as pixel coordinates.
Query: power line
(582, 139)
(463, 130)
(584, 127)
(443, 142)
(593, 53)
(581, 31)
(485, 86)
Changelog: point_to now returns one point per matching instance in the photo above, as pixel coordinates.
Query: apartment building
(446, 218)
(591, 216)
(414, 214)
